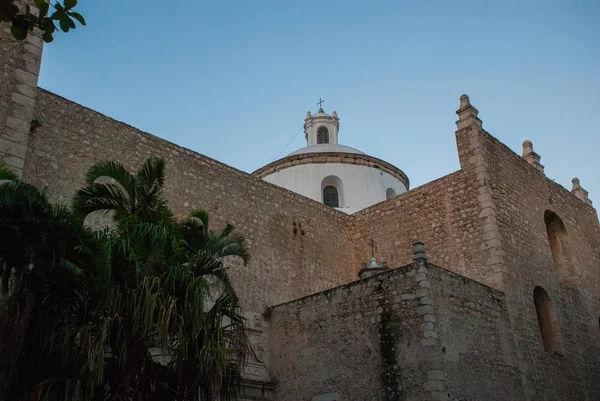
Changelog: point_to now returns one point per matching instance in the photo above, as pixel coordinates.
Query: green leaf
(8, 11)
(39, 3)
(64, 24)
(18, 33)
(69, 4)
(48, 25)
(47, 36)
(44, 7)
(56, 15)
(78, 17)
(20, 26)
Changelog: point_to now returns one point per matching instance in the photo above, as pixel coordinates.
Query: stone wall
(19, 71)
(414, 333)
(478, 353)
(487, 222)
(285, 231)
(522, 195)
(445, 214)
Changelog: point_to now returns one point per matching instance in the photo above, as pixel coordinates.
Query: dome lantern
(321, 128)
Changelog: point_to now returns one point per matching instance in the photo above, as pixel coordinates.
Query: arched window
(546, 319)
(390, 193)
(332, 189)
(331, 196)
(322, 135)
(559, 248)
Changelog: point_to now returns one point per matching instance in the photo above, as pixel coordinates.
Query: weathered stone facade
(285, 231)
(414, 333)
(467, 331)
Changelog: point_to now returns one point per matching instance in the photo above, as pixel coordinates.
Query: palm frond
(201, 215)
(113, 170)
(97, 197)
(227, 243)
(6, 173)
(151, 176)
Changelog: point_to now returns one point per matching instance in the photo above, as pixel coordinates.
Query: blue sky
(233, 80)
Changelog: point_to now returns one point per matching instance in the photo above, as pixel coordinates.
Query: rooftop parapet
(579, 192)
(531, 157)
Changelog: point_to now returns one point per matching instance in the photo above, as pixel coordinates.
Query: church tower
(321, 128)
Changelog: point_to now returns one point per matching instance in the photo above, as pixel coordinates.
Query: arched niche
(547, 321)
(559, 245)
(390, 193)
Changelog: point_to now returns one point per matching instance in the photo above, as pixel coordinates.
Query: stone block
(427, 326)
(425, 284)
(23, 113)
(15, 136)
(26, 77)
(430, 334)
(33, 49)
(18, 124)
(434, 385)
(429, 318)
(12, 149)
(33, 68)
(35, 40)
(14, 162)
(428, 342)
(23, 100)
(425, 310)
(27, 90)
(435, 375)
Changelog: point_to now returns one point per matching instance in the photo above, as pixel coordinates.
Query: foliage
(46, 18)
(143, 310)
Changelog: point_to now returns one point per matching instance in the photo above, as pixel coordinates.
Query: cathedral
(481, 285)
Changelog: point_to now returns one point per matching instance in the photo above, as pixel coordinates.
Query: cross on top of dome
(320, 103)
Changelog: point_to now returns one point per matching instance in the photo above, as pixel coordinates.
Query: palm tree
(44, 251)
(170, 291)
(144, 309)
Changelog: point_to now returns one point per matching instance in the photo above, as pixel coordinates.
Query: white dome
(326, 148)
(336, 175)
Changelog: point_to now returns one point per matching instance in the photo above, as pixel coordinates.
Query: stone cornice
(332, 157)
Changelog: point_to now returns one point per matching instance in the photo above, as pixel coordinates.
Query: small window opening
(331, 196)
(546, 320)
(559, 249)
(390, 193)
(322, 135)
